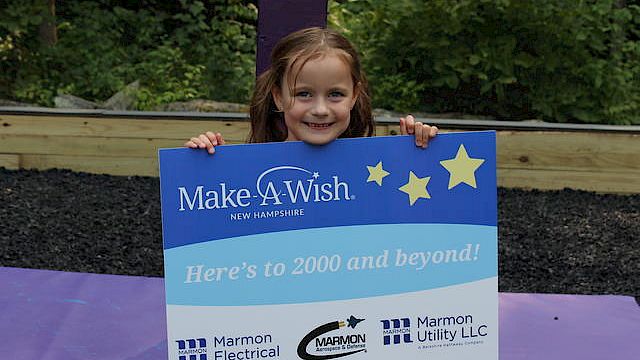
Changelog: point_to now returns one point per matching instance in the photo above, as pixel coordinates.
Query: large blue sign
(371, 229)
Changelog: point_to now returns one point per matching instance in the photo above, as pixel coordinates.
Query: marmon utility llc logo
(396, 331)
(275, 186)
(192, 349)
(328, 343)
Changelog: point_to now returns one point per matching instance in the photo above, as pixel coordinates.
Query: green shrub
(178, 50)
(551, 59)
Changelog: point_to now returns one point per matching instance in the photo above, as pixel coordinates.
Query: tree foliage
(552, 59)
(178, 50)
(557, 60)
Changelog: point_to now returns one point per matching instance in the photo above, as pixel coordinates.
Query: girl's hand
(423, 132)
(207, 141)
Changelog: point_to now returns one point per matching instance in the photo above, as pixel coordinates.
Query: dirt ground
(569, 242)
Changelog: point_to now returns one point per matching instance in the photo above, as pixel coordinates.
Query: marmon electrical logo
(192, 352)
(400, 331)
(332, 346)
(275, 186)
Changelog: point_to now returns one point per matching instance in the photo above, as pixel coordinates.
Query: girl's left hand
(423, 132)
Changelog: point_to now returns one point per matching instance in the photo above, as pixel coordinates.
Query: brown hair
(267, 124)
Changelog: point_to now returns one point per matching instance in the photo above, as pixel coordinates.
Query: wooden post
(278, 18)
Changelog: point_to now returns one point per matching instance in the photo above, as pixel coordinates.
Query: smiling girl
(314, 91)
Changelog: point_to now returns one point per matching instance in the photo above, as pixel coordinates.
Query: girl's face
(323, 96)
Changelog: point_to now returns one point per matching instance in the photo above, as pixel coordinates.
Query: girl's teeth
(318, 125)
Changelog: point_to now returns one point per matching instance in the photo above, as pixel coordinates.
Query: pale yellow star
(462, 168)
(416, 188)
(376, 173)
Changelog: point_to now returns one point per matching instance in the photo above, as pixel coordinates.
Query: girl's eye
(303, 94)
(334, 94)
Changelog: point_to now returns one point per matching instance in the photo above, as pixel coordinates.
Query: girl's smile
(317, 126)
(317, 109)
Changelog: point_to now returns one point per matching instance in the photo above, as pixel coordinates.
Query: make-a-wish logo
(275, 186)
(192, 349)
(332, 346)
(398, 330)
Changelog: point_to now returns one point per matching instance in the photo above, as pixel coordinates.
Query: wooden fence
(530, 155)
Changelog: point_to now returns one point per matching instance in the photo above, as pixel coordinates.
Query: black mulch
(570, 242)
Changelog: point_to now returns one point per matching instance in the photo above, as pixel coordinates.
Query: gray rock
(5, 102)
(423, 115)
(201, 105)
(124, 99)
(66, 101)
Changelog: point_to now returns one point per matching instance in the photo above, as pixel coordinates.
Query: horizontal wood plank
(569, 151)
(120, 165)
(512, 178)
(84, 146)
(10, 161)
(605, 182)
(566, 151)
(605, 162)
(233, 131)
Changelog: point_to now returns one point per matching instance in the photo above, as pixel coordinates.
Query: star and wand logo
(461, 169)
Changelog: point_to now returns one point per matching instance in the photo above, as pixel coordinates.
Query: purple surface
(60, 315)
(50, 315)
(278, 18)
(549, 327)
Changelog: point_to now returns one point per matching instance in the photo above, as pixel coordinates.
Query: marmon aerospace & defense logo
(332, 346)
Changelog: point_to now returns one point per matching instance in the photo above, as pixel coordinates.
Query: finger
(419, 133)
(205, 142)
(214, 142)
(426, 134)
(403, 126)
(195, 141)
(190, 144)
(210, 141)
(212, 137)
(433, 131)
(429, 133)
(220, 138)
(411, 123)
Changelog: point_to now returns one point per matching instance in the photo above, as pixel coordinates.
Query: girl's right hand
(207, 141)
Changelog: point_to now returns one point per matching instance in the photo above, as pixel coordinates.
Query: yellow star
(462, 168)
(376, 173)
(416, 188)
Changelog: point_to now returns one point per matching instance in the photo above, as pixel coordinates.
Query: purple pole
(278, 18)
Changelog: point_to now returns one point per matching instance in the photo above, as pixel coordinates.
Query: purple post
(278, 18)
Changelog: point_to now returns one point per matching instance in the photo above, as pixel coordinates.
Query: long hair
(267, 124)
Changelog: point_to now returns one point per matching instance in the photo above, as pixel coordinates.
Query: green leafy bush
(178, 50)
(551, 59)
